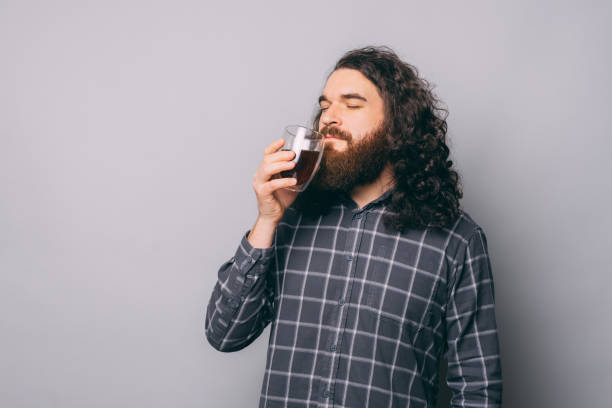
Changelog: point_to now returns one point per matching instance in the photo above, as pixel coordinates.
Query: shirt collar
(348, 200)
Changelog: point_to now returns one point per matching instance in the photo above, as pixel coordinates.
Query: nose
(331, 116)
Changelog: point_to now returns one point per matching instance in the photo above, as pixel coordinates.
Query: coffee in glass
(308, 146)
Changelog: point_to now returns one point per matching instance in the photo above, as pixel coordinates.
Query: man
(374, 271)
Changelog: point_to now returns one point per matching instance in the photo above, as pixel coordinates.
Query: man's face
(353, 122)
(352, 104)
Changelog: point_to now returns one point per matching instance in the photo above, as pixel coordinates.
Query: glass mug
(308, 146)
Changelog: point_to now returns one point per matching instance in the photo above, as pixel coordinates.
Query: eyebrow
(323, 98)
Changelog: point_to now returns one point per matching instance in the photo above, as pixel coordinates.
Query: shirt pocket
(399, 295)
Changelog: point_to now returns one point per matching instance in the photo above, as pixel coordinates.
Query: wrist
(267, 221)
(262, 233)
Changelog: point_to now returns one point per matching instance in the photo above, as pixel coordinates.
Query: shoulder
(455, 238)
(466, 227)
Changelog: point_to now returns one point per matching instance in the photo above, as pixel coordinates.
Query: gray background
(130, 131)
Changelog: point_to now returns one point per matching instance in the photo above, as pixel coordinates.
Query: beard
(360, 163)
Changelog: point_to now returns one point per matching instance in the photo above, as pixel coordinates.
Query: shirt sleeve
(472, 345)
(241, 305)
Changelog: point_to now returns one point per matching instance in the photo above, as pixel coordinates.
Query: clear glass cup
(308, 146)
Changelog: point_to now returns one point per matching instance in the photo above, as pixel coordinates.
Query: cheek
(364, 124)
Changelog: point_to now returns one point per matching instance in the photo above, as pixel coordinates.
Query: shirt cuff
(253, 261)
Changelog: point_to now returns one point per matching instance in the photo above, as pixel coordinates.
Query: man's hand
(272, 198)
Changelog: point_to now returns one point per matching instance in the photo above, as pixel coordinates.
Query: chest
(363, 265)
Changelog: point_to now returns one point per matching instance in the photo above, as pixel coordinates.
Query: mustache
(336, 132)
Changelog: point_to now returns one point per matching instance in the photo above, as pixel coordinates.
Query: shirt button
(326, 394)
(341, 302)
(333, 347)
(349, 257)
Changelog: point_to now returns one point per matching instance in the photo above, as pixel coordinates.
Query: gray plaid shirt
(360, 314)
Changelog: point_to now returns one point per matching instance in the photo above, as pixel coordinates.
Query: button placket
(353, 240)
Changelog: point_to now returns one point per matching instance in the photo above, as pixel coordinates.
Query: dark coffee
(306, 161)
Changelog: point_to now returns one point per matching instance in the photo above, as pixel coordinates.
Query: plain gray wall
(130, 132)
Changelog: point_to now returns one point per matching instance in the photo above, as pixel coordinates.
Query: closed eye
(324, 108)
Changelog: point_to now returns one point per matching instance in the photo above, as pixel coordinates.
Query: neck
(367, 193)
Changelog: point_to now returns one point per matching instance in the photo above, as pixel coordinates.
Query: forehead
(347, 81)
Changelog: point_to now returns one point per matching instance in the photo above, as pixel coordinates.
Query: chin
(339, 147)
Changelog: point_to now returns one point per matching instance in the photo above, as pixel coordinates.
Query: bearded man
(374, 272)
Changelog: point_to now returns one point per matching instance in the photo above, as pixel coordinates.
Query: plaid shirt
(359, 314)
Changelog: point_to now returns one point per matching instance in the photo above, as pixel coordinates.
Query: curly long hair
(427, 188)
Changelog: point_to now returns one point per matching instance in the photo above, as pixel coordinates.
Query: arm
(242, 302)
(472, 347)
(241, 305)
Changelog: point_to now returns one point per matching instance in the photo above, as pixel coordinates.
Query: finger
(273, 185)
(277, 144)
(267, 171)
(283, 155)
